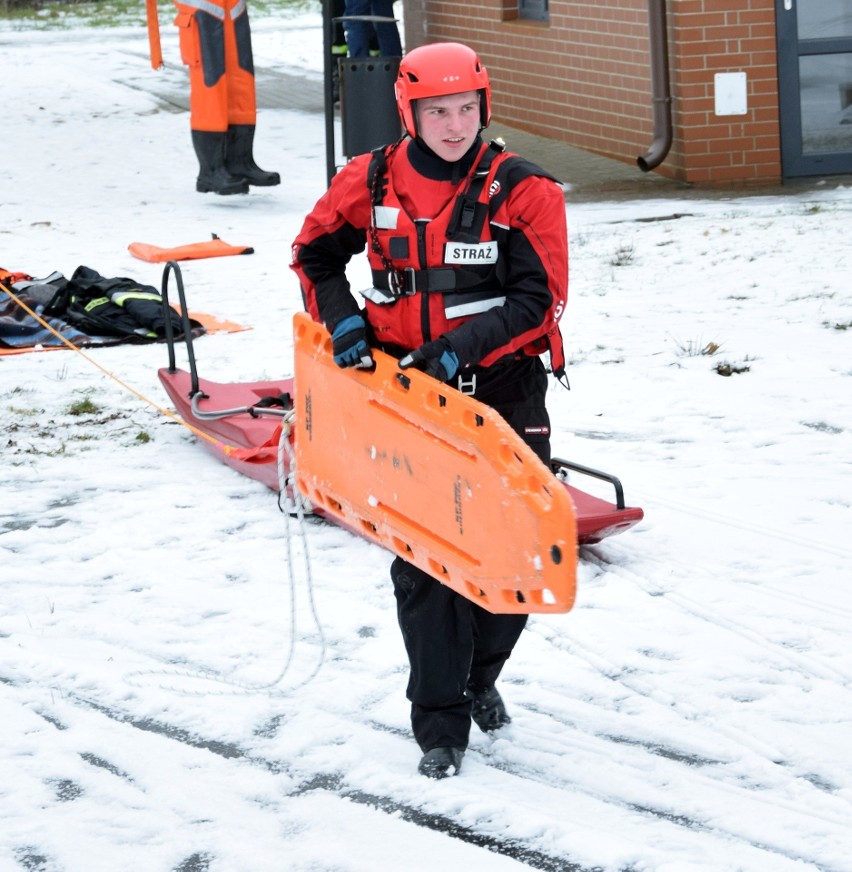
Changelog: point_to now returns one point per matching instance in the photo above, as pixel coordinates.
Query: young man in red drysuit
(469, 254)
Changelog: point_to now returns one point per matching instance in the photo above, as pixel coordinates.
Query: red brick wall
(722, 36)
(584, 76)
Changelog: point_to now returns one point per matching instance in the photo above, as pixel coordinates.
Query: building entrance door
(815, 86)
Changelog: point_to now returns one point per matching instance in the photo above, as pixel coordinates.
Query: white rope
(289, 502)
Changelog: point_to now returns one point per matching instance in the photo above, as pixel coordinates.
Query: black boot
(240, 160)
(213, 176)
(488, 710)
(441, 762)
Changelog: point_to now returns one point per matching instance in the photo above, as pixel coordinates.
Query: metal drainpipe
(661, 88)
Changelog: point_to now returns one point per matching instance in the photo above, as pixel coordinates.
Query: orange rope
(163, 411)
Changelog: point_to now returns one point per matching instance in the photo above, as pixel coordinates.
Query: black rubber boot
(213, 177)
(488, 710)
(441, 762)
(239, 157)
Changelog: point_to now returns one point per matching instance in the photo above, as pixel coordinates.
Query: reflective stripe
(474, 307)
(214, 9)
(386, 217)
(121, 298)
(238, 10)
(93, 304)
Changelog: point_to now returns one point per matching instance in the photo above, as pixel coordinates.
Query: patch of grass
(624, 255)
(813, 295)
(24, 413)
(54, 15)
(728, 369)
(67, 14)
(142, 437)
(697, 348)
(58, 451)
(823, 427)
(83, 407)
(838, 325)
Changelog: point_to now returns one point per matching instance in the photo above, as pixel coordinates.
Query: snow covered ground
(188, 682)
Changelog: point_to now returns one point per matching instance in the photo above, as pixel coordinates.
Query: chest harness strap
(465, 225)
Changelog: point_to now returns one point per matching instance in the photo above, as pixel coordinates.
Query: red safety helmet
(438, 69)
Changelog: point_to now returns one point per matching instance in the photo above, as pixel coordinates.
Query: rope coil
(290, 503)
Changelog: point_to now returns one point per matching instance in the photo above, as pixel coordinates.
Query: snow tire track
(331, 783)
(503, 756)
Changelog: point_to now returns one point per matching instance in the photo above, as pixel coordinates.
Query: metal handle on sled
(171, 266)
(557, 462)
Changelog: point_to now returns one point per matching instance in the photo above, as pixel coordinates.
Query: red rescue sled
(440, 457)
(256, 428)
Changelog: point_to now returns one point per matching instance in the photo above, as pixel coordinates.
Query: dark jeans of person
(358, 33)
(451, 642)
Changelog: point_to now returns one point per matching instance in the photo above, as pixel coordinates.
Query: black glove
(349, 339)
(435, 358)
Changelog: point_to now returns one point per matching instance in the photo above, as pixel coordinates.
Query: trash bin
(368, 113)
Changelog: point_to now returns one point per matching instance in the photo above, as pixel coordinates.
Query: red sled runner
(403, 460)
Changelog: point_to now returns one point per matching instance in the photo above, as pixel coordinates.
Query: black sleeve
(324, 262)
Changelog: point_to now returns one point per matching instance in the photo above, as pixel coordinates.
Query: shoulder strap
(464, 211)
(377, 172)
(377, 183)
(512, 171)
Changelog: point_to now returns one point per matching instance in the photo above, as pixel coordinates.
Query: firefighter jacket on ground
(488, 271)
(99, 306)
(215, 43)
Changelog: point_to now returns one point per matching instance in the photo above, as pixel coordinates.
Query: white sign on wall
(731, 97)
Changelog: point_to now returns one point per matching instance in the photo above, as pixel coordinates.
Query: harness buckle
(402, 282)
(467, 386)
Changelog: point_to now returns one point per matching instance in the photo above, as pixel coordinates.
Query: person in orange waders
(215, 43)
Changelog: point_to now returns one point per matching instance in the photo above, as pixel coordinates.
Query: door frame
(794, 162)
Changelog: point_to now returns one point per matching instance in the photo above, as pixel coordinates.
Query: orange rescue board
(434, 476)
(193, 251)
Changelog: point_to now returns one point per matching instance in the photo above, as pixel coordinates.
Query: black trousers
(454, 646)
